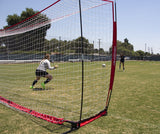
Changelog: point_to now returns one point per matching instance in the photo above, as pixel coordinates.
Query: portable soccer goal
(80, 36)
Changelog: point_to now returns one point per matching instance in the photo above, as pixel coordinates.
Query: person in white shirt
(41, 71)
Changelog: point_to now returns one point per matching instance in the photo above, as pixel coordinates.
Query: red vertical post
(114, 55)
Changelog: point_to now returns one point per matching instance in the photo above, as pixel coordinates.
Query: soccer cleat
(31, 87)
(43, 85)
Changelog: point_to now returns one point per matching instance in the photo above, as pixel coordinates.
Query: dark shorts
(122, 60)
(41, 73)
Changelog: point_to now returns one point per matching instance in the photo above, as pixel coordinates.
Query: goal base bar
(15, 106)
(89, 120)
(76, 125)
(52, 119)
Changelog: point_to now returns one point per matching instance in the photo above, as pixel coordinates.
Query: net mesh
(56, 30)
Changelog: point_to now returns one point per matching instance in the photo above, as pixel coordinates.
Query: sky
(137, 20)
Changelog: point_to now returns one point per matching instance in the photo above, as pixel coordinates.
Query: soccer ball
(56, 66)
(103, 65)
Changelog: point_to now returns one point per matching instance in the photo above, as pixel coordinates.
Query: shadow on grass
(50, 127)
(41, 89)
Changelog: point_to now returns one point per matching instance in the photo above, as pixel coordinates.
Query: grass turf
(134, 107)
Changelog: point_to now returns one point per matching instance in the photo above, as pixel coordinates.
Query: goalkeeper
(41, 71)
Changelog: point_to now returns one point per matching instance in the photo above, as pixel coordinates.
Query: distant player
(122, 59)
(41, 71)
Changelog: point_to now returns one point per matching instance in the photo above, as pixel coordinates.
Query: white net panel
(56, 30)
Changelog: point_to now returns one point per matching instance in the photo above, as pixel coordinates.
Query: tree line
(127, 49)
(35, 40)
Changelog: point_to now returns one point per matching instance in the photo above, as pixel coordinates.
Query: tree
(77, 45)
(95, 50)
(28, 13)
(140, 53)
(12, 19)
(31, 40)
(54, 45)
(124, 47)
(101, 51)
(127, 45)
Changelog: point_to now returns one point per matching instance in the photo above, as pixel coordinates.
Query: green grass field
(134, 106)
